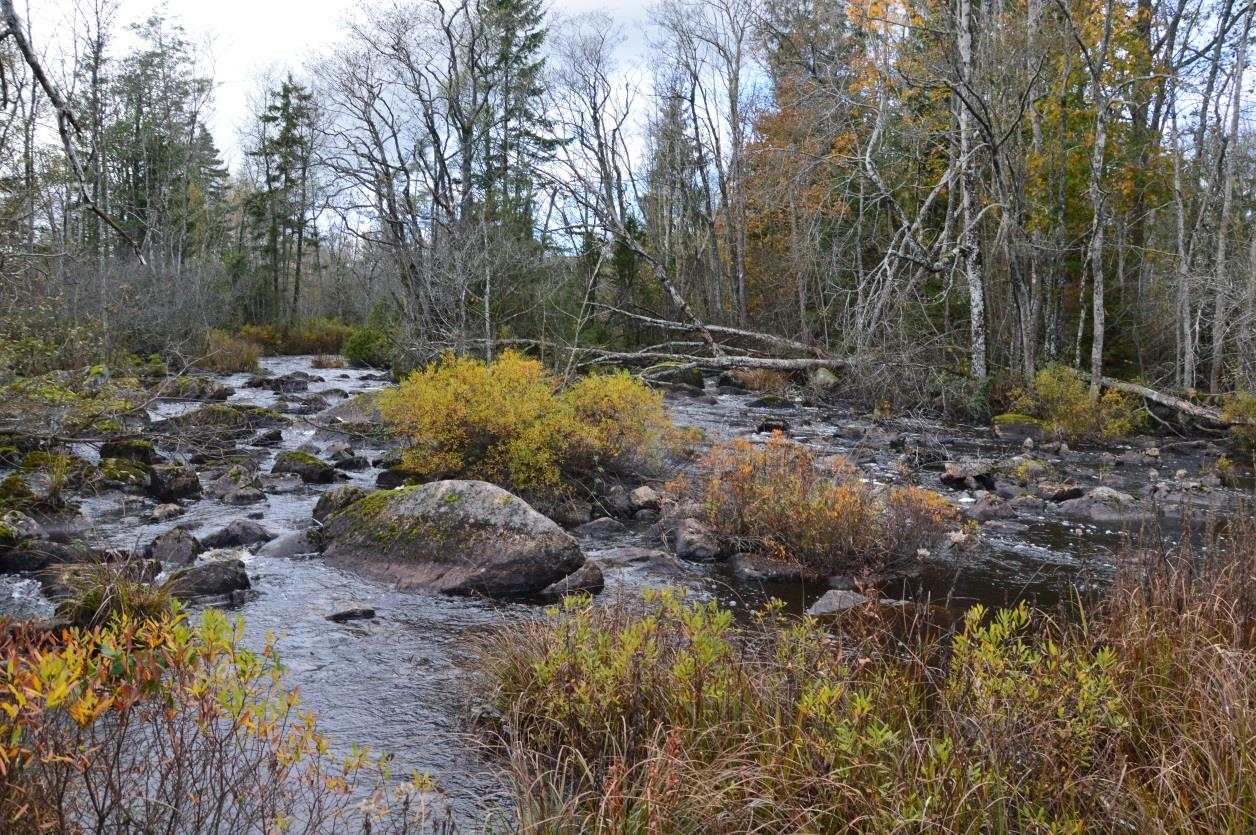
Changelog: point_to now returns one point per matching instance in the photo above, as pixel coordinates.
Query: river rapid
(400, 682)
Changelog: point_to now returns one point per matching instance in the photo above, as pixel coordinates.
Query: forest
(769, 416)
(951, 196)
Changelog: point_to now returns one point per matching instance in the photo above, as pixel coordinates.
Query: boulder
(138, 450)
(165, 512)
(969, 475)
(294, 544)
(455, 537)
(175, 546)
(283, 483)
(601, 529)
(1103, 504)
(681, 376)
(587, 579)
(769, 425)
(209, 579)
(172, 482)
(354, 613)
(296, 381)
(237, 486)
(836, 601)
(644, 498)
(240, 533)
(17, 527)
(38, 554)
(1015, 428)
(822, 379)
(338, 498)
(268, 437)
(124, 473)
(755, 568)
(311, 470)
(988, 507)
(696, 542)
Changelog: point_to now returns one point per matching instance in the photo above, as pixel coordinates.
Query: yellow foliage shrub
(509, 422)
(1240, 408)
(1061, 399)
(818, 514)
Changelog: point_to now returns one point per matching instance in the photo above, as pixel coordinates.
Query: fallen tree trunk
(720, 363)
(778, 342)
(1184, 407)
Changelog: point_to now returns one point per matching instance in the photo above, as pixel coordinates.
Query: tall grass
(228, 354)
(667, 716)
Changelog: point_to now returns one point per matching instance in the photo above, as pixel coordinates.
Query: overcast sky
(249, 37)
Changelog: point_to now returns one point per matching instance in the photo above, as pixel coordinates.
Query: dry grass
(330, 361)
(227, 354)
(781, 499)
(762, 379)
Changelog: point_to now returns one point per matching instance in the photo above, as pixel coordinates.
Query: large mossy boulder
(311, 470)
(455, 537)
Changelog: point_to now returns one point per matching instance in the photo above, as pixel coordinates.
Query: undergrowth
(780, 498)
(170, 724)
(512, 424)
(1061, 400)
(667, 715)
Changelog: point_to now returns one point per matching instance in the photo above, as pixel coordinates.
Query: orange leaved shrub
(781, 499)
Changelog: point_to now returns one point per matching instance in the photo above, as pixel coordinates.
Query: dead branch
(778, 342)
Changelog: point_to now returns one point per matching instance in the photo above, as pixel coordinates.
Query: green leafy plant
(1061, 400)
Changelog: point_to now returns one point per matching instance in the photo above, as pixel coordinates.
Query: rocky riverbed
(241, 465)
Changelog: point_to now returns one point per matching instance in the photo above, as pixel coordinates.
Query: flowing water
(400, 682)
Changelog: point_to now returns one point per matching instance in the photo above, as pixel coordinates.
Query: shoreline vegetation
(1134, 709)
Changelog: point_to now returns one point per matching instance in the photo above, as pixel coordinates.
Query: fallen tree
(1204, 414)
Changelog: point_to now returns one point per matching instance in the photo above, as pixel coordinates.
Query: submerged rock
(755, 568)
(355, 613)
(601, 529)
(836, 601)
(169, 483)
(587, 579)
(174, 546)
(455, 537)
(212, 578)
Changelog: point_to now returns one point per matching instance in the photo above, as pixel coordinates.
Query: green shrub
(371, 346)
(1240, 409)
(1061, 400)
(671, 718)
